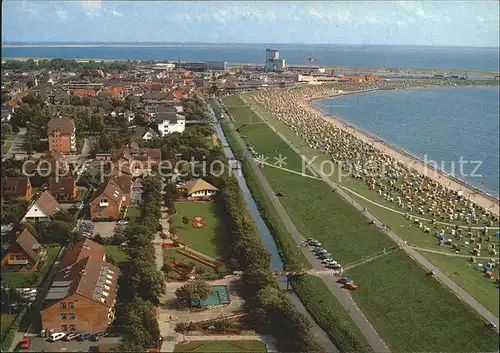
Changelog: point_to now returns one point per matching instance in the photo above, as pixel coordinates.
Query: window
(64, 316)
(12, 257)
(71, 305)
(18, 257)
(64, 327)
(24, 257)
(71, 316)
(72, 327)
(62, 305)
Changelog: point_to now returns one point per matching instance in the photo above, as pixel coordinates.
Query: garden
(180, 264)
(33, 279)
(197, 225)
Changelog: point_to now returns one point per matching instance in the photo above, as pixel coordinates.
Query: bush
(8, 337)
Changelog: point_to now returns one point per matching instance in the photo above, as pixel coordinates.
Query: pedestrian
(170, 317)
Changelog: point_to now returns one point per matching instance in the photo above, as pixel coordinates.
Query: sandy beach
(477, 196)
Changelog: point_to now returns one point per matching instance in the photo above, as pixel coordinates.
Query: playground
(204, 231)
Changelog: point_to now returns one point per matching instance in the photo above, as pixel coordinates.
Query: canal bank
(267, 238)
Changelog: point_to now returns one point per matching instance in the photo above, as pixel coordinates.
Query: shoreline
(479, 197)
(238, 64)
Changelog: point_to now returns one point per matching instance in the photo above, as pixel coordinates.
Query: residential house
(145, 133)
(16, 188)
(129, 115)
(137, 161)
(5, 115)
(61, 135)
(170, 122)
(43, 208)
(84, 92)
(63, 188)
(22, 254)
(82, 296)
(111, 198)
(137, 191)
(199, 189)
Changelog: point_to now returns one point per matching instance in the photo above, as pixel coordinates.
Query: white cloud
(63, 15)
(415, 8)
(232, 14)
(29, 8)
(116, 13)
(92, 8)
(337, 15)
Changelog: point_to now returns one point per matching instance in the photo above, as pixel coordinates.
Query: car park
(56, 336)
(72, 336)
(84, 336)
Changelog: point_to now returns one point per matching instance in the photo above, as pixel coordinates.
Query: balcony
(18, 262)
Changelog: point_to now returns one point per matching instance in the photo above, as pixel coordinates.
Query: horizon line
(229, 43)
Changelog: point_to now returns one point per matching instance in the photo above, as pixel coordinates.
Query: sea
(448, 127)
(457, 58)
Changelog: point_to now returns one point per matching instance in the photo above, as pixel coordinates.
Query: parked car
(56, 336)
(122, 222)
(25, 343)
(98, 335)
(84, 336)
(345, 280)
(318, 249)
(72, 336)
(334, 266)
(328, 260)
(280, 194)
(324, 256)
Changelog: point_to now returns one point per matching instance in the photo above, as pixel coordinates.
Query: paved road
(17, 145)
(342, 295)
(462, 294)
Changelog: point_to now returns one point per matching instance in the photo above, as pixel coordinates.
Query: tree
(185, 220)
(195, 290)
(104, 143)
(166, 268)
(13, 212)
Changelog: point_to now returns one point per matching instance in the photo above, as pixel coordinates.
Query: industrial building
(202, 66)
(273, 61)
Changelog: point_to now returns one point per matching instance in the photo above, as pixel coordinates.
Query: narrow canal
(267, 238)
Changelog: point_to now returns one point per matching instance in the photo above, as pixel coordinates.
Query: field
(208, 239)
(486, 295)
(316, 211)
(413, 312)
(18, 279)
(467, 276)
(116, 253)
(221, 346)
(330, 314)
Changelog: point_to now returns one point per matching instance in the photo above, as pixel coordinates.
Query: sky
(446, 23)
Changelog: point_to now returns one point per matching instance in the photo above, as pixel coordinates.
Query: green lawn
(414, 312)
(469, 278)
(17, 279)
(221, 346)
(133, 211)
(6, 321)
(207, 240)
(116, 253)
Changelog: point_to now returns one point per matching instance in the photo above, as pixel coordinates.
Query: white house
(43, 208)
(129, 115)
(170, 122)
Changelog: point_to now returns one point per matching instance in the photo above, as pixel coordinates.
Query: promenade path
(343, 296)
(414, 254)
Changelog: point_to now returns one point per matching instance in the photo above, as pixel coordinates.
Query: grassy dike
(428, 317)
(313, 293)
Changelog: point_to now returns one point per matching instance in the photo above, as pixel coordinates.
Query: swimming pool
(219, 296)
